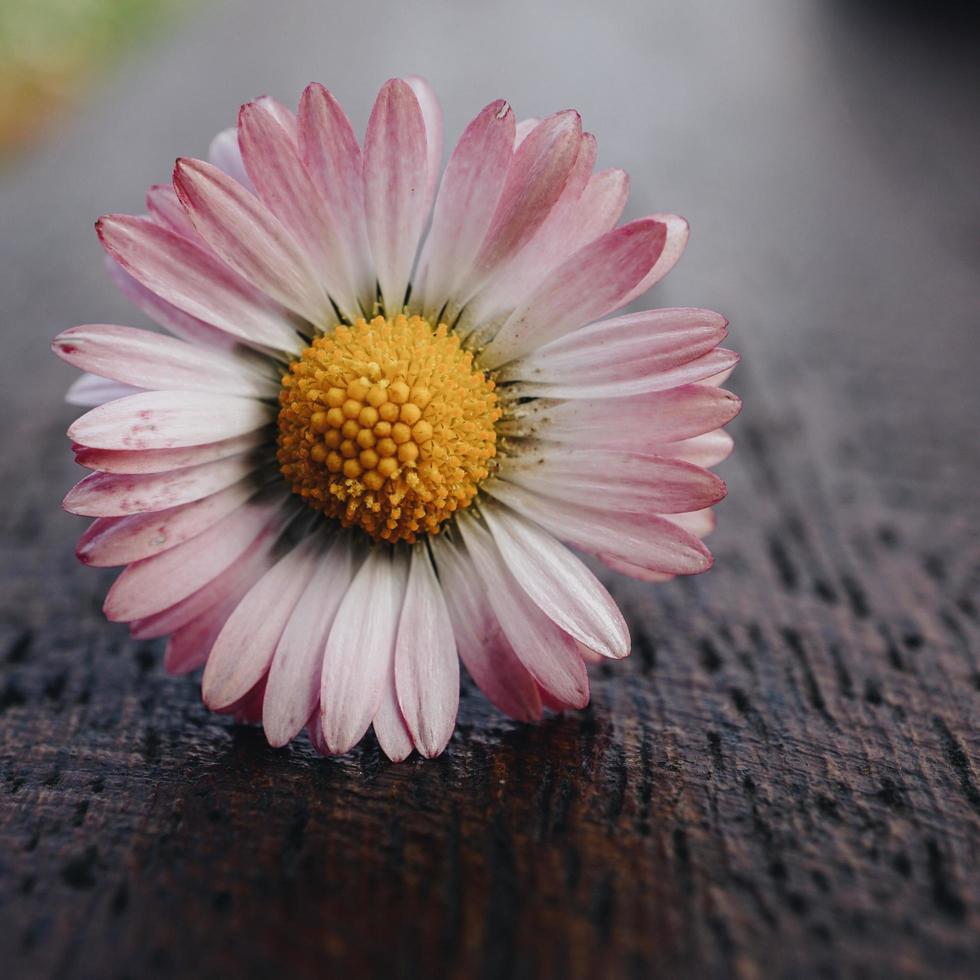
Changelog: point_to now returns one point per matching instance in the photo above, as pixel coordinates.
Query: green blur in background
(51, 51)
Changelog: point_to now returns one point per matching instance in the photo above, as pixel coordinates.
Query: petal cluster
(324, 579)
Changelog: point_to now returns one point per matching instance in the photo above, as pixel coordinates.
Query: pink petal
(243, 651)
(678, 233)
(535, 180)
(634, 423)
(648, 541)
(432, 115)
(118, 494)
(426, 665)
(559, 583)
(121, 540)
(698, 522)
(283, 115)
(152, 585)
(579, 217)
(467, 200)
(621, 481)
(195, 281)
(706, 450)
(293, 687)
(90, 391)
(287, 189)
(524, 129)
(548, 652)
(590, 284)
(634, 571)
(226, 155)
(235, 580)
(159, 460)
(166, 210)
(395, 180)
(251, 239)
(150, 360)
(188, 648)
(551, 244)
(615, 357)
(169, 420)
(357, 660)
(332, 156)
(177, 322)
(484, 649)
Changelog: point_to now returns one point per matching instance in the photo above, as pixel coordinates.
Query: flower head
(364, 451)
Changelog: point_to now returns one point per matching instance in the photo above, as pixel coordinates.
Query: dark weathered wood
(784, 779)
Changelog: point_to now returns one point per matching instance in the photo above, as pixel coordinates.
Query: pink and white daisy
(389, 407)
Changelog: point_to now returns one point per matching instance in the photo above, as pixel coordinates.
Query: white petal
(244, 649)
(550, 655)
(426, 665)
(564, 589)
(357, 660)
(293, 687)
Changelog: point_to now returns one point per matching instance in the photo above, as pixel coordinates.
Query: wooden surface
(784, 779)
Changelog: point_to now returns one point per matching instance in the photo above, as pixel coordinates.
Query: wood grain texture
(782, 781)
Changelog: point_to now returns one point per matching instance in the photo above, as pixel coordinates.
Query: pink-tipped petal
(251, 239)
(553, 242)
(426, 665)
(243, 650)
(150, 360)
(678, 232)
(709, 449)
(467, 200)
(633, 423)
(700, 523)
(332, 156)
(118, 494)
(121, 540)
(484, 649)
(357, 660)
(620, 481)
(648, 541)
(634, 571)
(550, 655)
(535, 180)
(590, 284)
(395, 180)
(169, 420)
(283, 183)
(189, 647)
(559, 583)
(166, 210)
(617, 357)
(235, 580)
(195, 281)
(282, 114)
(152, 585)
(293, 688)
(524, 129)
(159, 460)
(175, 321)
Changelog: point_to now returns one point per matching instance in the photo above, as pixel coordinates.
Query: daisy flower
(388, 414)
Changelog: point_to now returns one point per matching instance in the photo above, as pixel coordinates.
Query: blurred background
(826, 154)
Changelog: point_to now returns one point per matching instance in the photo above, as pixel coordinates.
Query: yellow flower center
(388, 425)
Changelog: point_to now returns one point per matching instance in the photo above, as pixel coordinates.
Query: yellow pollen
(387, 425)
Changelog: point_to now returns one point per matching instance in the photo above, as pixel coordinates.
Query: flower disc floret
(388, 425)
